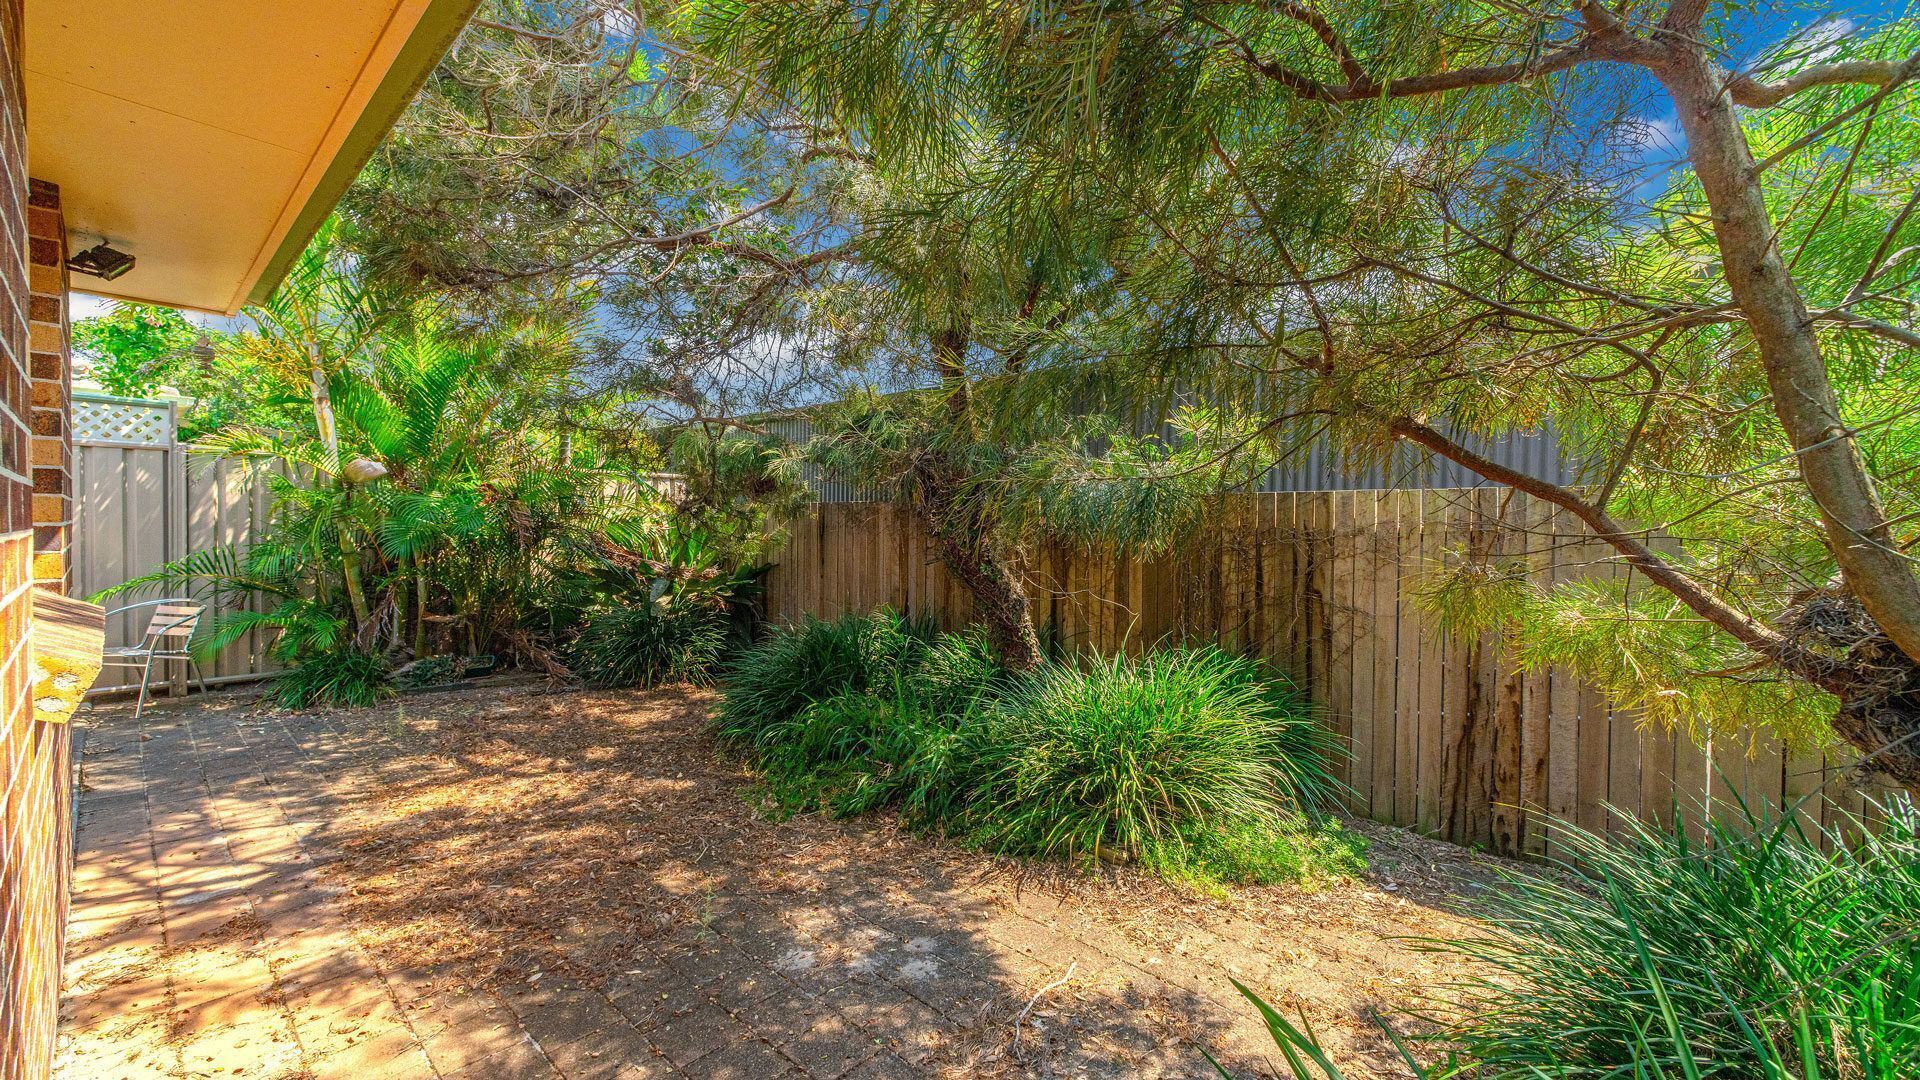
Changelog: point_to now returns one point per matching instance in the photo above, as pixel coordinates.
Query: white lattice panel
(139, 423)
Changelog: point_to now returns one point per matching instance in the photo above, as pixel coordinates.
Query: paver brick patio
(224, 924)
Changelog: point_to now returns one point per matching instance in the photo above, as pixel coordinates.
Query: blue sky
(1751, 34)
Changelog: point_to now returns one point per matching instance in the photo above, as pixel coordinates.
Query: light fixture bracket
(102, 261)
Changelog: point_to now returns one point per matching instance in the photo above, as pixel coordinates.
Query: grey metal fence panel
(144, 502)
(1320, 467)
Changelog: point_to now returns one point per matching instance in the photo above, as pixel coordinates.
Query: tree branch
(1748, 631)
(1754, 94)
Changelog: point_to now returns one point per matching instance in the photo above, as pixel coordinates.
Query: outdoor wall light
(101, 261)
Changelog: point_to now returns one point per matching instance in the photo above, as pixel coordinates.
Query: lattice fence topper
(122, 420)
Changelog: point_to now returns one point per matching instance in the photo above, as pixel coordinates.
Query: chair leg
(140, 702)
(198, 674)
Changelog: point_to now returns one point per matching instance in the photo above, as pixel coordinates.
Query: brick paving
(209, 939)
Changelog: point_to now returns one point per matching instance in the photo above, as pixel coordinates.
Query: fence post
(175, 546)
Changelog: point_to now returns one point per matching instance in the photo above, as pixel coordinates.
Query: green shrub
(960, 672)
(1748, 954)
(854, 753)
(1125, 754)
(341, 676)
(648, 644)
(1194, 761)
(775, 681)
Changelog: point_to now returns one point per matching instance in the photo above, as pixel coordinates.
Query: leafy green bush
(1751, 953)
(1193, 761)
(1127, 754)
(341, 676)
(648, 644)
(1268, 849)
(772, 683)
(854, 753)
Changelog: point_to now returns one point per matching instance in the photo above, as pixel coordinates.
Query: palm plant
(419, 510)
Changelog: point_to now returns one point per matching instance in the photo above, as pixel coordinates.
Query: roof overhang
(210, 138)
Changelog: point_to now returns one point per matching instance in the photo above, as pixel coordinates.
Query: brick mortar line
(172, 1048)
(274, 797)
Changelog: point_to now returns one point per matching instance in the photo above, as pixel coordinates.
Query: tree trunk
(961, 527)
(1870, 562)
(1880, 711)
(999, 598)
(329, 437)
(420, 609)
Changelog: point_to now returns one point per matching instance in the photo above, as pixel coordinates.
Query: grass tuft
(772, 683)
(648, 645)
(342, 676)
(1196, 763)
(1272, 849)
(1751, 952)
(1123, 754)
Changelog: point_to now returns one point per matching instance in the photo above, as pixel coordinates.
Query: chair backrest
(175, 619)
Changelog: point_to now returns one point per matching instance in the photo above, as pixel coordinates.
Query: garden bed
(599, 839)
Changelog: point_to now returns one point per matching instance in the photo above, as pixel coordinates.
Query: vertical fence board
(1336, 605)
(1446, 735)
(1384, 609)
(1365, 638)
(1407, 716)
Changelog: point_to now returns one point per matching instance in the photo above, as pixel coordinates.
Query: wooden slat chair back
(174, 620)
(169, 631)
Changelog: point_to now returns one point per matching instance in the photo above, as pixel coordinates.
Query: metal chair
(174, 620)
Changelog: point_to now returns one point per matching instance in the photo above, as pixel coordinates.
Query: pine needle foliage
(1638, 646)
(1400, 229)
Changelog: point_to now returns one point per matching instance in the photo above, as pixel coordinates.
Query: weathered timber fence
(1447, 735)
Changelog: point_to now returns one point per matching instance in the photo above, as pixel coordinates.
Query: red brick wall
(47, 338)
(35, 842)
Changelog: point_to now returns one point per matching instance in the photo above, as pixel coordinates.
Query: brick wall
(35, 841)
(52, 386)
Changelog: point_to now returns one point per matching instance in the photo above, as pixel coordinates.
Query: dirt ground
(586, 868)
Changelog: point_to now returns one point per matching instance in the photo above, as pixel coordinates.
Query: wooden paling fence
(1447, 735)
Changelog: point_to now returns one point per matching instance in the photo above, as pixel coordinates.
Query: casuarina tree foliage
(1682, 233)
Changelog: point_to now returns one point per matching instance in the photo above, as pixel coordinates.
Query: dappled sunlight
(563, 883)
(557, 883)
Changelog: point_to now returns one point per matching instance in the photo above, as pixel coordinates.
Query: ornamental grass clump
(1124, 758)
(648, 645)
(344, 676)
(1199, 765)
(1750, 952)
(1753, 951)
(859, 752)
(773, 682)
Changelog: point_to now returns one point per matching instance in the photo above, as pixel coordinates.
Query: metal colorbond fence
(1446, 736)
(142, 501)
(1318, 468)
